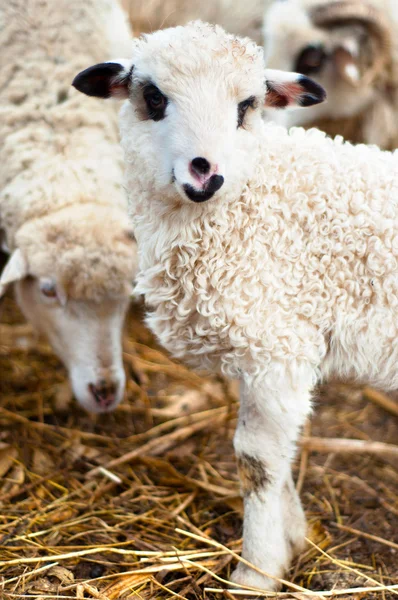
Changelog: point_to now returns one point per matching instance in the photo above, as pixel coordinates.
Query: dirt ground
(130, 505)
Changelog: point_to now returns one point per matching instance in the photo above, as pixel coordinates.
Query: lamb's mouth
(214, 184)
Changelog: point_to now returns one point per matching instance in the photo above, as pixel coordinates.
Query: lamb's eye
(311, 60)
(243, 107)
(48, 289)
(156, 102)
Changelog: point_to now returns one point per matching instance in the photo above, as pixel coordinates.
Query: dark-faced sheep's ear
(105, 80)
(15, 270)
(291, 90)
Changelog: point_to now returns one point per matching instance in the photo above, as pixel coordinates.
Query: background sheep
(288, 275)
(63, 210)
(350, 47)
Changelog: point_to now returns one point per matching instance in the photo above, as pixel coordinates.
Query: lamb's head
(73, 273)
(345, 45)
(195, 97)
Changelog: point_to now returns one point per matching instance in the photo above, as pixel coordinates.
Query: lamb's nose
(104, 393)
(200, 165)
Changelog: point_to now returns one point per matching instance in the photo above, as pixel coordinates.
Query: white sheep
(270, 256)
(350, 47)
(63, 209)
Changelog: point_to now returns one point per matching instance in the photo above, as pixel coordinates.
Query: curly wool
(301, 267)
(294, 261)
(293, 264)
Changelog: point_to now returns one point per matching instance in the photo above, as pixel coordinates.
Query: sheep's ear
(291, 90)
(105, 80)
(15, 270)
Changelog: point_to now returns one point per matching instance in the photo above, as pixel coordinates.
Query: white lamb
(268, 255)
(63, 209)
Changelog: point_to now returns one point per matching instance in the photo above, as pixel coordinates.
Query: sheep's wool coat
(295, 263)
(60, 161)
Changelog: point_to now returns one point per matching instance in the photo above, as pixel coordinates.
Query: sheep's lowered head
(195, 100)
(345, 45)
(73, 272)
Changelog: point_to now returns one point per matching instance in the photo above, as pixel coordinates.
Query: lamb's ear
(15, 270)
(291, 90)
(105, 80)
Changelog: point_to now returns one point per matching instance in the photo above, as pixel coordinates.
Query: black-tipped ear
(313, 93)
(104, 80)
(292, 90)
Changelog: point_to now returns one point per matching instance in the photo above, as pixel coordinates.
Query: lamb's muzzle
(210, 187)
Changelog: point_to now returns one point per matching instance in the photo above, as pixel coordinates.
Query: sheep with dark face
(350, 47)
(269, 255)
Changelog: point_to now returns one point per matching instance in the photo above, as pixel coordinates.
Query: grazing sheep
(350, 47)
(63, 210)
(270, 256)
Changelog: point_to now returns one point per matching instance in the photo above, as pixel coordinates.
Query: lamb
(350, 47)
(270, 256)
(63, 209)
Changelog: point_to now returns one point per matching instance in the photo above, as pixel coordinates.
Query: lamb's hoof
(246, 576)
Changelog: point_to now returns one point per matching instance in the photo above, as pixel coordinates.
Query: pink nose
(104, 393)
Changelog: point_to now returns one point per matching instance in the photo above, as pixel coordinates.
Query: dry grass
(144, 503)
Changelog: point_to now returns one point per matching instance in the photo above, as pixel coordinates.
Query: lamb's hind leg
(271, 415)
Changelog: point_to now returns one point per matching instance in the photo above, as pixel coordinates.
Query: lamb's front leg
(270, 418)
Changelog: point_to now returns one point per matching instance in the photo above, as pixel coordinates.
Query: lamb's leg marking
(271, 415)
(252, 473)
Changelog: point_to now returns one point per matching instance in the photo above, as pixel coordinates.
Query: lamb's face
(196, 103)
(73, 282)
(195, 96)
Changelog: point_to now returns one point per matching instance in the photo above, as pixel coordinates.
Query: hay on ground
(144, 503)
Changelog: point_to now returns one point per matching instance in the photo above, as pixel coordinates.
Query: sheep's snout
(104, 394)
(206, 180)
(199, 178)
(213, 184)
(96, 391)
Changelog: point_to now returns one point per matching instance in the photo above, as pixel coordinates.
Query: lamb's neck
(161, 226)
